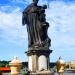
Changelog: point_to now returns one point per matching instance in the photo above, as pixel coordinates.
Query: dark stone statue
(34, 18)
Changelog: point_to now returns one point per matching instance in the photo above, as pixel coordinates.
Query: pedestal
(38, 63)
(42, 73)
(15, 66)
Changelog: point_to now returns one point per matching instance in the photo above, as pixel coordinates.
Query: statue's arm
(24, 18)
(24, 14)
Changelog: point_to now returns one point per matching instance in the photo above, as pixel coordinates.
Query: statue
(34, 18)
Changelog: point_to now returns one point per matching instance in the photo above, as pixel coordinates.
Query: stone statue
(34, 18)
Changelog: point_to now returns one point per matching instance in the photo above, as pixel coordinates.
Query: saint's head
(35, 1)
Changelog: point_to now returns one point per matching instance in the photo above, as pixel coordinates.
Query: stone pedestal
(42, 73)
(15, 66)
(60, 64)
(38, 63)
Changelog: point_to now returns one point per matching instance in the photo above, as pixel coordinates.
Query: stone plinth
(42, 73)
(38, 63)
(60, 64)
(15, 66)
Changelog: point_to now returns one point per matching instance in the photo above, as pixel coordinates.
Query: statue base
(42, 73)
(38, 62)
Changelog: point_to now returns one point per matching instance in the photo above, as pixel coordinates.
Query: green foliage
(0, 72)
(4, 63)
(54, 69)
(23, 72)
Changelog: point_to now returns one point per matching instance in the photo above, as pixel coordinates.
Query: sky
(13, 36)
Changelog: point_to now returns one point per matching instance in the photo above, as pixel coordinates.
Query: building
(70, 65)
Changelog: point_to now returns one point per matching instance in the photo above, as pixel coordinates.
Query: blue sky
(13, 36)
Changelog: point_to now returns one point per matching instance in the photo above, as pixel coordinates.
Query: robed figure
(34, 18)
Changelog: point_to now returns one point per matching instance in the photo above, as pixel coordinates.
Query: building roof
(5, 69)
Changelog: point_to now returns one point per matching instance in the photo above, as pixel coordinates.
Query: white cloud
(21, 1)
(62, 25)
(9, 8)
(11, 25)
(41, 2)
(17, 1)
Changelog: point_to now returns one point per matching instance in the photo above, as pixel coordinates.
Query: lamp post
(60, 64)
(15, 66)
